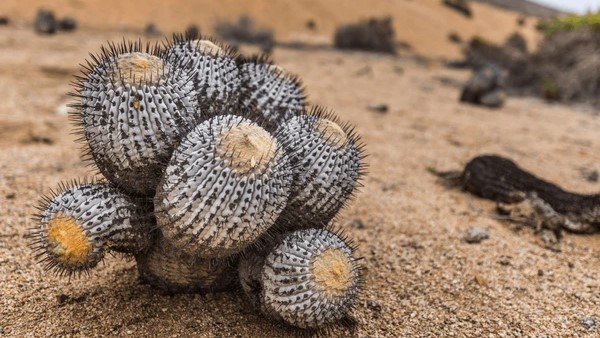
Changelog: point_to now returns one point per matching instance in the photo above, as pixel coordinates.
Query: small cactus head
(77, 225)
(133, 105)
(224, 187)
(328, 163)
(273, 93)
(309, 279)
(212, 67)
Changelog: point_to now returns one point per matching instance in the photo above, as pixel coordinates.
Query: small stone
(480, 280)
(357, 224)
(192, 30)
(476, 234)
(151, 30)
(381, 108)
(129, 332)
(540, 273)
(67, 24)
(494, 99)
(374, 306)
(62, 299)
(4, 20)
(504, 260)
(11, 195)
(590, 175)
(45, 22)
(588, 322)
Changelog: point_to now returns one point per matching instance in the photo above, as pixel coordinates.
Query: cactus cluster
(216, 174)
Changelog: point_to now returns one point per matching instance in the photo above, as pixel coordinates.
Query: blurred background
(428, 84)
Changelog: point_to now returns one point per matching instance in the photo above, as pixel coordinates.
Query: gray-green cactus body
(309, 279)
(79, 224)
(327, 158)
(213, 69)
(134, 106)
(273, 93)
(223, 188)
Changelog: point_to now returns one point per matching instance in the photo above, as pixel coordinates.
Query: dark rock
(374, 306)
(45, 23)
(475, 235)
(151, 30)
(381, 108)
(244, 31)
(67, 24)
(462, 6)
(62, 299)
(311, 24)
(376, 35)
(516, 41)
(357, 224)
(4, 20)
(11, 196)
(485, 87)
(493, 99)
(590, 175)
(454, 37)
(192, 31)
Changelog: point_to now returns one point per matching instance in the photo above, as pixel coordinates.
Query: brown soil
(421, 278)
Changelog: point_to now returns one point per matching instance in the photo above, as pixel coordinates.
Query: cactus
(77, 225)
(133, 107)
(225, 186)
(328, 163)
(276, 94)
(209, 159)
(309, 279)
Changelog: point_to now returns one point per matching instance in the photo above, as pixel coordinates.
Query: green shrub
(570, 22)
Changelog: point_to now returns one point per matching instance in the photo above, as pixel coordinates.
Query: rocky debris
(564, 67)
(475, 235)
(588, 322)
(45, 22)
(375, 35)
(192, 30)
(375, 307)
(485, 87)
(152, 30)
(356, 223)
(516, 41)
(454, 37)
(462, 6)
(67, 24)
(245, 31)
(381, 108)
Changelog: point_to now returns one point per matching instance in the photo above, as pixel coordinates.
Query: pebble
(381, 108)
(476, 234)
(45, 22)
(588, 322)
(4, 20)
(67, 24)
(151, 30)
(357, 224)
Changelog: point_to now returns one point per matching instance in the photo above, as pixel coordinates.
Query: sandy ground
(421, 278)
